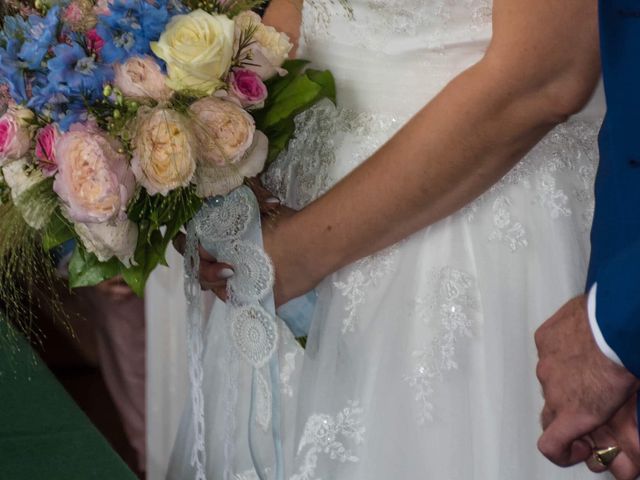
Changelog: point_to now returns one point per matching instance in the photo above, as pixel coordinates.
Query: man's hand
(581, 386)
(621, 431)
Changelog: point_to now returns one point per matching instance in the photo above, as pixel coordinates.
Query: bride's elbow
(551, 89)
(567, 94)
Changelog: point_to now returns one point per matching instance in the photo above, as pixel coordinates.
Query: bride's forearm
(455, 148)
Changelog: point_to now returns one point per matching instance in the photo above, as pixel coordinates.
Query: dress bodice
(394, 56)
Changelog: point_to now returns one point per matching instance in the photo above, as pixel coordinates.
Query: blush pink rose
(15, 136)
(141, 78)
(94, 41)
(248, 88)
(46, 140)
(94, 179)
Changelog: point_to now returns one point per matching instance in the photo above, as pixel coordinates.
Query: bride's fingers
(220, 291)
(215, 273)
(206, 256)
(267, 201)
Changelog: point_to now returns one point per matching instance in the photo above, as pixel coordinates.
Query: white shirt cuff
(595, 328)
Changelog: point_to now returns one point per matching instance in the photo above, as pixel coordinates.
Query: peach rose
(164, 151)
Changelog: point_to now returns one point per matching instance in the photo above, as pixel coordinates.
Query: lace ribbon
(229, 229)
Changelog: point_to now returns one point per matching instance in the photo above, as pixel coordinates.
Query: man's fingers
(561, 441)
(622, 467)
(624, 426)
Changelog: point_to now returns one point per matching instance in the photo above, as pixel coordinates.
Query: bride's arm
(542, 66)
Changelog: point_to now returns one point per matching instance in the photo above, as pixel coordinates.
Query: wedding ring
(604, 456)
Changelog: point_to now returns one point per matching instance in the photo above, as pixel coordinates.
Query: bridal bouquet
(124, 116)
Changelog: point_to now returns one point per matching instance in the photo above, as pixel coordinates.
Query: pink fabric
(121, 338)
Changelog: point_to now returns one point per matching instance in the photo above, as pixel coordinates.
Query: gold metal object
(604, 456)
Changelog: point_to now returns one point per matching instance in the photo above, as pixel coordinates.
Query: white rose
(269, 48)
(197, 48)
(107, 240)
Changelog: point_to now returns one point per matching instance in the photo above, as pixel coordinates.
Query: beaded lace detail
(453, 305)
(330, 436)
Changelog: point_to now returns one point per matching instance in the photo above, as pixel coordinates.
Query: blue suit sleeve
(618, 305)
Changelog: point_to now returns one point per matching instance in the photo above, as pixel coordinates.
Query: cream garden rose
(164, 155)
(223, 129)
(269, 48)
(198, 49)
(140, 78)
(230, 148)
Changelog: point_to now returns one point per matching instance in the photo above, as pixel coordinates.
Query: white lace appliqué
(559, 170)
(361, 277)
(453, 306)
(506, 229)
(330, 436)
(287, 371)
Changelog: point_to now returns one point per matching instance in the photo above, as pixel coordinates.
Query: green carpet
(43, 433)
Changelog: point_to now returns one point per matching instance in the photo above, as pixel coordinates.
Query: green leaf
(279, 137)
(85, 270)
(58, 231)
(325, 79)
(149, 253)
(296, 97)
(152, 213)
(277, 83)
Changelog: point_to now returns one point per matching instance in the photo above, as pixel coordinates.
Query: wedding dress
(420, 361)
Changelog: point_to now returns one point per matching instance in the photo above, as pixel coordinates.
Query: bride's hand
(213, 274)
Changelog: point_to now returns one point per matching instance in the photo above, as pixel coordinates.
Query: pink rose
(248, 88)
(140, 78)
(46, 140)
(15, 136)
(94, 179)
(94, 41)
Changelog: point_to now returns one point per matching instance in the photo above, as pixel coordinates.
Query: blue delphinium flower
(130, 26)
(57, 103)
(42, 36)
(79, 71)
(12, 68)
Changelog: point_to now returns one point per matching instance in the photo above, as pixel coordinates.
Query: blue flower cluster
(51, 68)
(131, 25)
